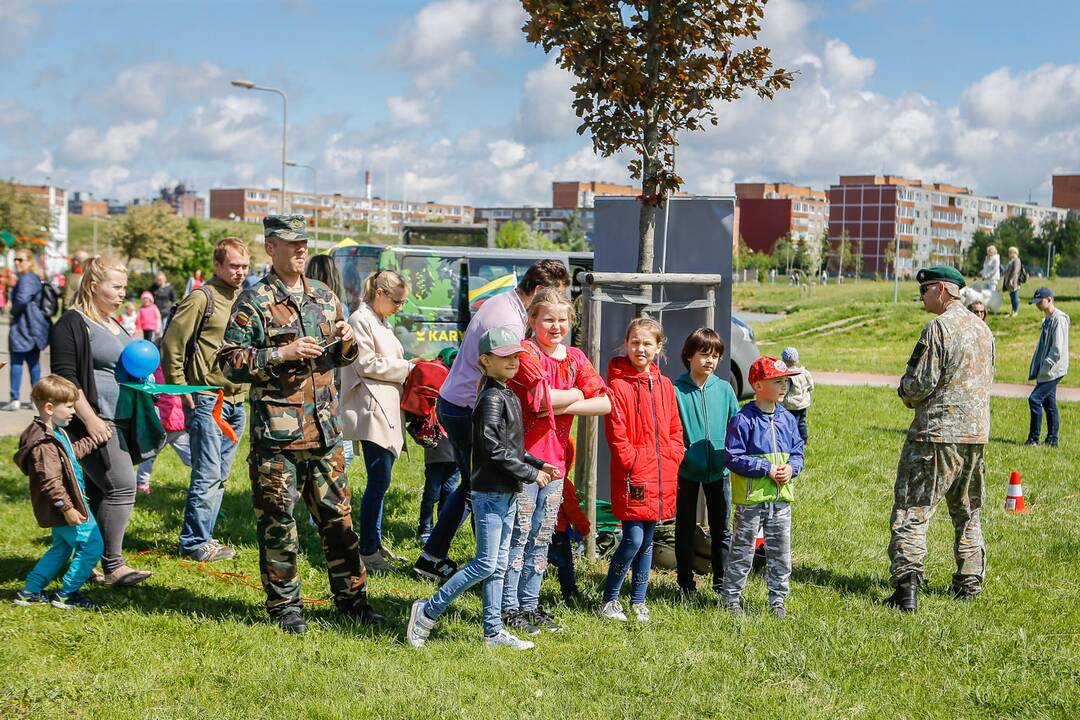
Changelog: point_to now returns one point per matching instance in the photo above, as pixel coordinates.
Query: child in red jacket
(644, 434)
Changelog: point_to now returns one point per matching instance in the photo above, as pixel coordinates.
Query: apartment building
(930, 222)
(185, 201)
(382, 215)
(770, 211)
(84, 204)
(575, 194)
(1066, 192)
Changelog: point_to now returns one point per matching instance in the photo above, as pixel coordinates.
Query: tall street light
(248, 85)
(315, 189)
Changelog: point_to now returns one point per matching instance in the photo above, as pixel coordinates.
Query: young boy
(764, 453)
(499, 466)
(58, 496)
(800, 388)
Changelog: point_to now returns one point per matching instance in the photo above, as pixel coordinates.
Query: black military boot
(965, 589)
(292, 622)
(904, 596)
(362, 614)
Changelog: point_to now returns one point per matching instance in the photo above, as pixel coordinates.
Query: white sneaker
(612, 610)
(505, 639)
(376, 563)
(419, 625)
(641, 612)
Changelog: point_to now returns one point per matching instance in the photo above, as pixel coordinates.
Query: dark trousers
(457, 422)
(30, 357)
(1014, 298)
(800, 418)
(1044, 397)
(379, 463)
(561, 556)
(718, 507)
(440, 479)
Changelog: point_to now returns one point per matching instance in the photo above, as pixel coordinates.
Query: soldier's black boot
(904, 596)
(964, 589)
(362, 614)
(292, 622)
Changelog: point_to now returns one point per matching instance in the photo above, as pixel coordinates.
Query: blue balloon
(140, 359)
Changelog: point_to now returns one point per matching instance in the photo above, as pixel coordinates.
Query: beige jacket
(371, 385)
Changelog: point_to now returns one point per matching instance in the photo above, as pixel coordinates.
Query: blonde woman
(991, 269)
(29, 333)
(1011, 280)
(371, 403)
(86, 345)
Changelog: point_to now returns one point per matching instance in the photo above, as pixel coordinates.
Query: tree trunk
(650, 159)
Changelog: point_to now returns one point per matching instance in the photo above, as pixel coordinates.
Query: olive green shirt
(201, 368)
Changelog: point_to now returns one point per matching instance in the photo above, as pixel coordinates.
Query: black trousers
(718, 507)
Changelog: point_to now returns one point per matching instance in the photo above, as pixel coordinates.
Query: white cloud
(843, 68)
(117, 144)
(412, 111)
(1046, 97)
(545, 113)
(506, 153)
(148, 88)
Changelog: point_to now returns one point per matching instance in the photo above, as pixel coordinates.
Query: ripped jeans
(538, 509)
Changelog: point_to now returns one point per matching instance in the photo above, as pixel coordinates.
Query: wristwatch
(275, 356)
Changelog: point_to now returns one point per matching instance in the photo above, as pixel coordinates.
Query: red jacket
(645, 437)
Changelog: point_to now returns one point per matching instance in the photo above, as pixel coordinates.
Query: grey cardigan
(1051, 358)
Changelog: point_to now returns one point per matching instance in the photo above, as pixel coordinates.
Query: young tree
(976, 252)
(154, 233)
(22, 215)
(572, 235)
(646, 69)
(517, 234)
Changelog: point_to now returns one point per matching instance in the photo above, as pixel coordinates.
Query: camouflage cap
(940, 273)
(286, 227)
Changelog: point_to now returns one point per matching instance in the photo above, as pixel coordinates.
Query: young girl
(500, 467)
(129, 319)
(149, 319)
(554, 384)
(706, 406)
(645, 437)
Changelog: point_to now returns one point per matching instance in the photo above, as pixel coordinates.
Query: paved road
(1000, 389)
(13, 423)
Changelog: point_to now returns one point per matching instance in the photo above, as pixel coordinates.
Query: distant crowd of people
(283, 360)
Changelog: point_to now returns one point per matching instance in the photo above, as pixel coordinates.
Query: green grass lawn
(188, 645)
(855, 327)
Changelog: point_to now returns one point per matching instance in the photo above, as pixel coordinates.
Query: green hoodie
(705, 413)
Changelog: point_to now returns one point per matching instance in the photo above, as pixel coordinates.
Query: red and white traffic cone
(1014, 500)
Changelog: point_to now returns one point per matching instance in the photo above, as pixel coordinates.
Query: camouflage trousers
(927, 473)
(278, 479)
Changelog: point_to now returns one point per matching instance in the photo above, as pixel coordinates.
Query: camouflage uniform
(947, 383)
(296, 445)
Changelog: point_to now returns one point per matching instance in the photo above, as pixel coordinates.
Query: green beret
(940, 273)
(286, 227)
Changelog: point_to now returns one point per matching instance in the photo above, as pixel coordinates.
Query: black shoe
(520, 621)
(1052, 443)
(543, 620)
(438, 570)
(1033, 443)
(904, 597)
(688, 592)
(292, 623)
(363, 614)
(965, 593)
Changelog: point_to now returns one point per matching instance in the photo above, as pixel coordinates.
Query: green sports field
(187, 644)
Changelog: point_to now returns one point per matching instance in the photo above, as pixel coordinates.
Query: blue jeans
(1014, 298)
(180, 442)
(494, 513)
(440, 479)
(211, 460)
(380, 468)
(561, 556)
(1044, 397)
(635, 554)
(84, 540)
(538, 509)
(457, 422)
(17, 358)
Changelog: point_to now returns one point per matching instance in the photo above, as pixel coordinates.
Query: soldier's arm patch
(242, 318)
(917, 353)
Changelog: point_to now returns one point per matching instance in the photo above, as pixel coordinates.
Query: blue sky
(444, 100)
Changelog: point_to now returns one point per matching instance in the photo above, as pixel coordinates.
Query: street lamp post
(315, 189)
(248, 85)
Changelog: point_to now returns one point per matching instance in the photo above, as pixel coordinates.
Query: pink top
(149, 318)
(547, 436)
(170, 410)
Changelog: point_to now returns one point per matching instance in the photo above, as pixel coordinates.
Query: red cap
(767, 368)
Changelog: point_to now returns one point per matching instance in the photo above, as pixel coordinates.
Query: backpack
(418, 398)
(49, 300)
(1022, 278)
(189, 347)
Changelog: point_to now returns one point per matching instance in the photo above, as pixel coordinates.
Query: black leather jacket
(499, 461)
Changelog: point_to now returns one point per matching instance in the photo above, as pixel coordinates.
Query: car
(744, 351)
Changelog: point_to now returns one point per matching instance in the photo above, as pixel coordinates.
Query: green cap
(940, 273)
(501, 341)
(286, 227)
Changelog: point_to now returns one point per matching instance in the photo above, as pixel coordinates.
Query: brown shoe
(96, 576)
(125, 576)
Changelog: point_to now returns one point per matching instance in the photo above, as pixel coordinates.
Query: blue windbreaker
(755, 442)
